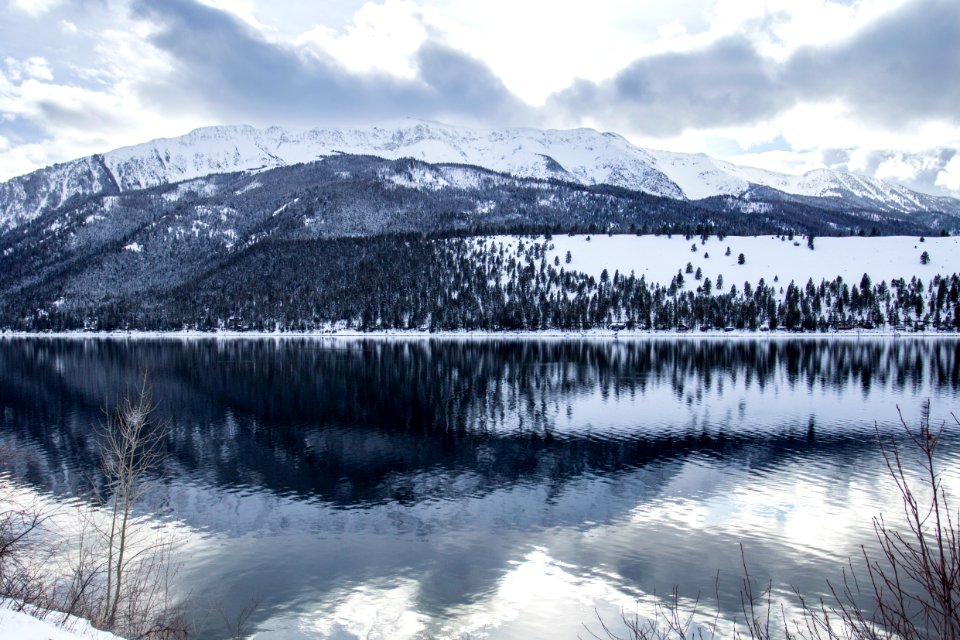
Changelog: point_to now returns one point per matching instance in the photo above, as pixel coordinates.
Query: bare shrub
(914, 582)
(102, 562)
(237, 622)
(123, 574)
(21, 579)
(911, 587)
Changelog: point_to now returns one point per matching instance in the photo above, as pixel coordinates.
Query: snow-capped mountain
(581, 156)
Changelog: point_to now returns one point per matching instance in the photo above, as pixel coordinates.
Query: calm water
(505, 489)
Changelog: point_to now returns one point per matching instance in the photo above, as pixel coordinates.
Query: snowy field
(658, 258)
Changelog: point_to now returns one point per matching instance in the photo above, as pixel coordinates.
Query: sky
(869, 86)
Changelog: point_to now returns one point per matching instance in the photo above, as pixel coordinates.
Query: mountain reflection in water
(509, 487)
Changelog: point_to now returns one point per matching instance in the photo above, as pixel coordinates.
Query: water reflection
(436, 481)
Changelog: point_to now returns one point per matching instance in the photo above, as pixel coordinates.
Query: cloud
(34, 8)
(835, 157)
(60, 107)
(33, 67)
(924, 171)
(935, 170)
(726, 83)
(949, 176)
(900, 69)
(224, 66)
(773, 83)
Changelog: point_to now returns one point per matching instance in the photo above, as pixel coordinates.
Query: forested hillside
(364, 242)
(411, 282)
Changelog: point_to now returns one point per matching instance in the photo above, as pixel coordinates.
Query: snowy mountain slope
(700, 176)
(581, 156)
(24, 198)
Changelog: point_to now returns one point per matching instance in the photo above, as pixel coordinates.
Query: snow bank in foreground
(22, 626)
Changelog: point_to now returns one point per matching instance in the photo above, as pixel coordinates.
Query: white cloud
(246, 10)
(899, 168)
(34, 8)
(33, 67)
(791, 162)
(22, 159)
(536, 47)
(74, 120)
(780, 27)
(381, 37)
(835, 125)
(949, 177)
(539, 47)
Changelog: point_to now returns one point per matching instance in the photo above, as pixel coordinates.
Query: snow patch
(283, 208)
(486, 206)
(109, 203)
(23, 626)
(778, 262)
(417, 178)
(194, 188)
(256, 184)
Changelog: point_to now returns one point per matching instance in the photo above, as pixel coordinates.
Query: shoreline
(549, 334)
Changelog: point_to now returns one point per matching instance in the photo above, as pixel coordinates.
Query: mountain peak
(579, 155)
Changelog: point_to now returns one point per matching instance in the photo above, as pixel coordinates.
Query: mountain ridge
(582, 156)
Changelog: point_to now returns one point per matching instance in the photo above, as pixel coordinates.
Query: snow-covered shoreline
(23, 625)
(548, 334)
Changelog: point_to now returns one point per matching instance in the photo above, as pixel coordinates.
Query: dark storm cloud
(727, 83)
(903, 68)
(230, 70)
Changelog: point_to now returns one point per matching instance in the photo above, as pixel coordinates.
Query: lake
(408, 488)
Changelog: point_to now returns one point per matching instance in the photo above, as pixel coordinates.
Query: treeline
(409, 282)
